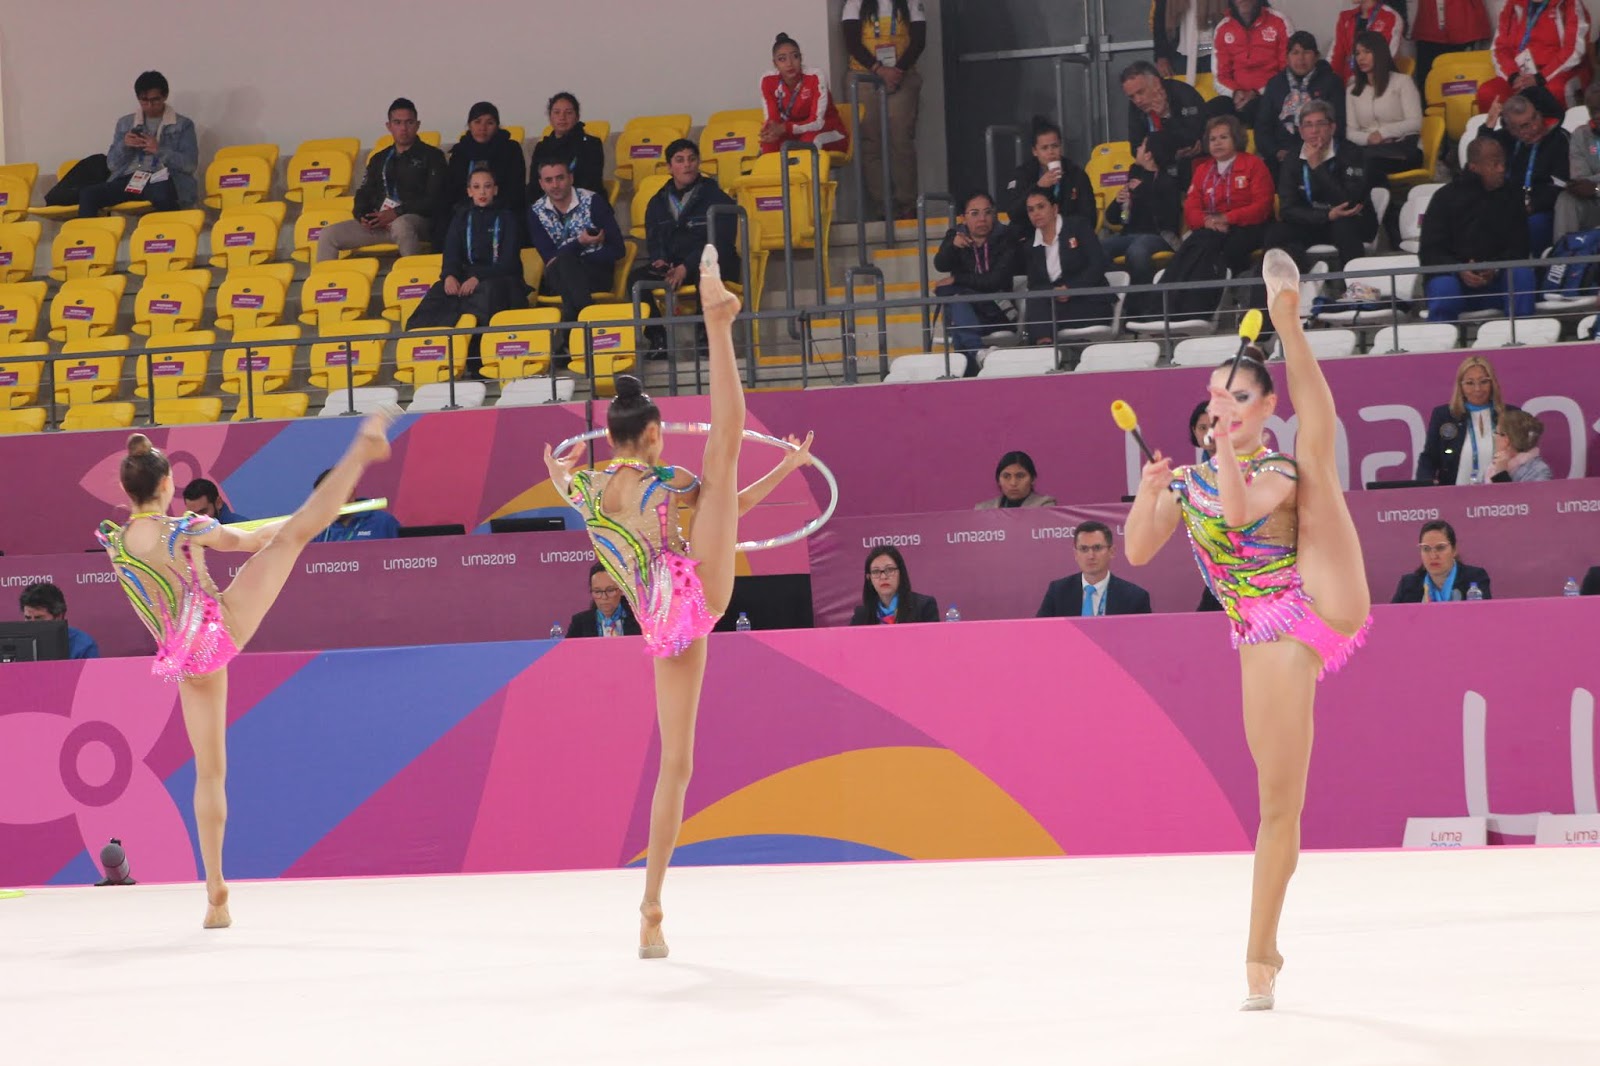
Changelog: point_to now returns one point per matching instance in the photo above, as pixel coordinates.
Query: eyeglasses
(1090, 548)
(1434, 549)
(150, 99)
(1476, 383)
(884, 571)
(1314, 124)
(613, 591)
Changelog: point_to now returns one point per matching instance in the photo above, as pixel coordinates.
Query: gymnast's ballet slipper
(652, 943)
(217, 916)
(372, 439)
(1279, 271)
(1267, 1000)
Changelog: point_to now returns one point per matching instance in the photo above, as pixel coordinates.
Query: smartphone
(593, 231)
(961, 228)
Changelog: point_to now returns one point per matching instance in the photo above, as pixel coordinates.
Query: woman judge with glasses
(609, 615)
(886, 596)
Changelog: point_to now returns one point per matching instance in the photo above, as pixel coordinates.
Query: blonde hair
(1458, 399)
(1522, 430)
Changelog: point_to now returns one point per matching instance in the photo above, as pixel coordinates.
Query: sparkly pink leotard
(643, 549)
(1251, 569)
(175, 598)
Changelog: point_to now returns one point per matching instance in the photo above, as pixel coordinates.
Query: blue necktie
(1088, 601)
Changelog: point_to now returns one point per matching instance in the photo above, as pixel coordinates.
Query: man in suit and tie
(1094, 590)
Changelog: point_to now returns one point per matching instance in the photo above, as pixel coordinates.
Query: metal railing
(992, 171)
(818, 226)
(922, 254)
(858, 79)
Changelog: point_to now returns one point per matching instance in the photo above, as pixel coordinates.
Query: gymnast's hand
(561, 469)
(801, 456)
(1224, 412)
(1157, 475)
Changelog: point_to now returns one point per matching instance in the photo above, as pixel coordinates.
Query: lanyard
(1534, 11)
(793, 98)
(1213, 180)
(1305, 170)
(894, 24)
(388, 176)
(1527, 178)
(495, 258)
(1472, 431)
(678, 205)
(980, 257)
(1437, 594)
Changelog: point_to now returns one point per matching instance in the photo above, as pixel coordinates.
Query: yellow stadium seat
(853, 125)
(174, 373)
(97, 372)
(761, 194)
(16, 190)
(275, 405)
(357, 353)
(65, 211)
(1206, 85)
(1433, 131)
(166, 240)
(19, 250)
(1107, 168)
(247, 300)
(532, 269)
(511, 352)
(350, 146)
(642, 151)
(86, 308)
(407, 282)
(233, 181)
(316, 216)
(678, 124)
(19, 381)
(167, 304)
(98, 416)
(614, 346)
(244, 237)
(193, 410)
(86, 248)
(19, 310)
(643, 193)
(336, 291)
(422, 358)
(318, 174)
(267, 354)
(269, 152)
(727, 149)
(26, 420)
(1457, 74)
(619, 281)
(737, 114)
(426, 137)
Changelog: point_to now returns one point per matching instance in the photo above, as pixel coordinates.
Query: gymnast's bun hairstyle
(783, 39)
(632, 412)
(1254, 363)
(143, 469)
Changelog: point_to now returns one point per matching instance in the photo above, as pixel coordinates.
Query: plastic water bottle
(742, 623)
(556, 632)
(951, 614)
(1474, 592)
(1570, 588)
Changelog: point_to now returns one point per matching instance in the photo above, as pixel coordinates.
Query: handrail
(742, 233)
(817, 226)
(922, 256)
(857, 79)
(848, 320)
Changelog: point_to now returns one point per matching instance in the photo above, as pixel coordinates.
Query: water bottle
(951, 614)
(556, 632)
(742, 624)
(1474, 592)
(1570, 588)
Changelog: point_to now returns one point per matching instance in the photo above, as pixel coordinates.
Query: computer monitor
(1400, 483)
(542, 524)
(29, 642)
(452, 529)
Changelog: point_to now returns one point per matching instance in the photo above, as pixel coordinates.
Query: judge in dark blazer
(1462, 430)
(1094, 590)
(1065, 256)
(609, 617)
(1442, 577)
(886, 596)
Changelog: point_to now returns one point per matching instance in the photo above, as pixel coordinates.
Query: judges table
(997, 564)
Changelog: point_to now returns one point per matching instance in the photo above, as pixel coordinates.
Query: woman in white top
(1383, 115)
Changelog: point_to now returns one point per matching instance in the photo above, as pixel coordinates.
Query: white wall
(254, 72)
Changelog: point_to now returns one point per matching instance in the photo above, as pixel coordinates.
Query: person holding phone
(398, 196)
(153, 155)
(1322, 193)
(576, 234)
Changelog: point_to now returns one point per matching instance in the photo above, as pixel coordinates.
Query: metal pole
(55, 423)
(989, 156)
(250, 384)
(150, 383)
(450, 365)
(922, 259)
(349, 379)
(883, 142)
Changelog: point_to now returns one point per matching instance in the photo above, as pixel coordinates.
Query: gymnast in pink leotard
(198, 630)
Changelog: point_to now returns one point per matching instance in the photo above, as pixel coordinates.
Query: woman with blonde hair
(1460, 444)
(1516, 452)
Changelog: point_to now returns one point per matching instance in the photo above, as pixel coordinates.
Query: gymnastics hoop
(703, 429)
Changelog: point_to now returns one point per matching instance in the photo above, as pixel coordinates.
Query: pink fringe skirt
(677, 614)
(1288, 614)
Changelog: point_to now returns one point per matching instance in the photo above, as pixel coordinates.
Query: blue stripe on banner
(770, 848)
(277, 479)
(341, 728)
(83, 870)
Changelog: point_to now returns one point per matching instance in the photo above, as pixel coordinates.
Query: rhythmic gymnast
(676, 591)
(198, 630)
(1276, 546)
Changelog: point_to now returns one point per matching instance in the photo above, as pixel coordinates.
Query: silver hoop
(703, 429)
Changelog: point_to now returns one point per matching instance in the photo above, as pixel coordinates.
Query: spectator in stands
(1177, 27)
(1541, 49)
(1478, 218)
(481, 273)
(577, 236)
(1444, 26)
(1149, 208)
(886, 595)
(1322, 193)
(1052, 172)
(1230, 199)
(1538, 162)
(43, 602)
(886, 38)
(398, 196)
(1200, 428)
(1249, 47)
(1386, 18)
(1305, 79)
(1094, 591)
(485, 146)
(797, 104)
(204, 498)
(1464, 428)
(568, 142)
(1516, 449)
(1168, 105)
(1578, 206)
(676, 229)
(609, 617)
(1015, 475)
(1442, 577)
(153, 155)
(363, 525)
(1591, 582)
(977, 260)
(1065, 256)
(1383, 115)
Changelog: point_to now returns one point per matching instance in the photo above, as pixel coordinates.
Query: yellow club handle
(350, 508)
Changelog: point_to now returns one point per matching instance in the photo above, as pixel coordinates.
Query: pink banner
(997, 564)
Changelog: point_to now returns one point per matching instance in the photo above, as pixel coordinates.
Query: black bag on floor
(90, 170)
(1198, 258)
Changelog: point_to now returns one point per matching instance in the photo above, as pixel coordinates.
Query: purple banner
(997, 564)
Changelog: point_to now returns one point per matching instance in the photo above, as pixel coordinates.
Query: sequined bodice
(643, 526)
(172, 592)
(1255, 560)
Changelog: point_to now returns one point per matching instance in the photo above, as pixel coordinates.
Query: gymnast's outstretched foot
(1262, 975)
(217, 916)
(372, 443)
(652, 943)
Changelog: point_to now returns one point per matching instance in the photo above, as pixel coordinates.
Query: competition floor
(1458, 958)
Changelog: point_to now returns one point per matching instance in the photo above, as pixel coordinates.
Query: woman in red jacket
(1441, 26)
(1231, 194)
(1378, 16)
(797, 103)
(1540, 44)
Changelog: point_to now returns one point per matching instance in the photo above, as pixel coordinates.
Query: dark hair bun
(1254, 353)
(139, 444)
(629, 387)
(783, 39)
